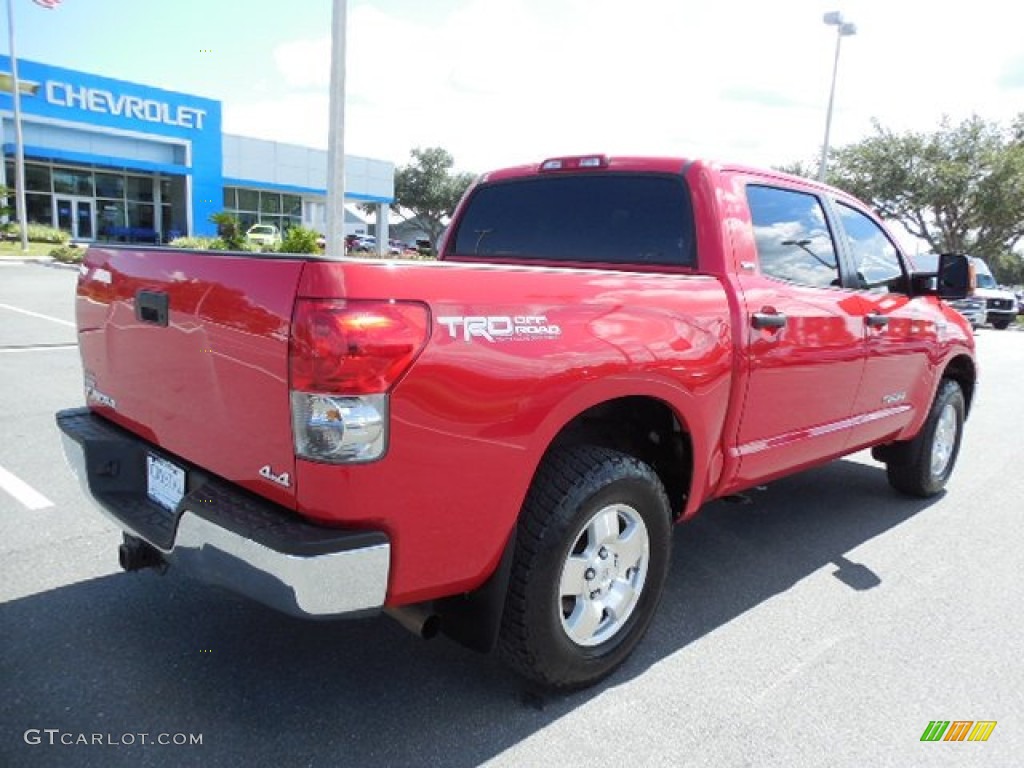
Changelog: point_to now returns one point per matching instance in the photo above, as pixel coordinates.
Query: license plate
(165, 482)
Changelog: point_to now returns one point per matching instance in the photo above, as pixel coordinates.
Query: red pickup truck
(497, 444)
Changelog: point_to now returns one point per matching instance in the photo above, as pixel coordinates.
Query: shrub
(66, 254)
(194, 243)
(220, 244)
(37, 233)
(299, 240)
(229, 228)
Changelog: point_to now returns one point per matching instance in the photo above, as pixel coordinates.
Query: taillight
(354, 347)
(344, 359)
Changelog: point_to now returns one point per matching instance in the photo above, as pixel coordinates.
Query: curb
(45, 261)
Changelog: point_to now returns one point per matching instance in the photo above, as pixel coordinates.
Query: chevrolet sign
(121, 105)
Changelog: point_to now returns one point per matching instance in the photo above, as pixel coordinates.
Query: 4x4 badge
(284, 479)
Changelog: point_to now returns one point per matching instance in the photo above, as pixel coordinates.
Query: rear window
(610, 218)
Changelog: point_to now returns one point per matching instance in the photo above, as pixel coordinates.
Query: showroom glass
(39, 208)
(68, 182)
(37, 178)
(875, 258)
(252, 206)
(270, 203)
(793, 239)
(110, 185)
(248, 200)
(111, 215)
(291, 205)
(139, 188)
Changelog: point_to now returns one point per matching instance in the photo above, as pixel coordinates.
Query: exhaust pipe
(135, 554)
(418, 618)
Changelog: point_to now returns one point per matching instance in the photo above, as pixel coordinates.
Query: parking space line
(39, 348)
(22, 491)
(30, 313)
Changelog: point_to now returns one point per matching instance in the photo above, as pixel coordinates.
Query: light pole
(19, 141)
(843, 29)
(336, 135)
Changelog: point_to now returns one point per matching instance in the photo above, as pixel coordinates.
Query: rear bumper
(224, 535)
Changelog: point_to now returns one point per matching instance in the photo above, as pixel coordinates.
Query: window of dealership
(104, 204)
(253, 206)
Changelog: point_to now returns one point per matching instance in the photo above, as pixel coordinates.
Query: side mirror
(954, 276)
(952, 279)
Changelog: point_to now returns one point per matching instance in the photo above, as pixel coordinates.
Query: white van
(1000, 305)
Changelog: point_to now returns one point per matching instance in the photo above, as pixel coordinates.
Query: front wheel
(592, 553)
(922, 466)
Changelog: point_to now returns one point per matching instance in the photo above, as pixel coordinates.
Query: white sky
(498, 82)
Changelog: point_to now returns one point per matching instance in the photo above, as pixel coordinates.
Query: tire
(1001, 324)
(922, 466)
(592, 552)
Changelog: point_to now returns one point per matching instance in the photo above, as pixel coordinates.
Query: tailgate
(189, 350)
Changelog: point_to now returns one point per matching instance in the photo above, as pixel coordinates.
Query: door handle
(876, 320)
(768, 320)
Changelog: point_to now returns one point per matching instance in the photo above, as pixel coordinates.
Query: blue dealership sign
(66, 98)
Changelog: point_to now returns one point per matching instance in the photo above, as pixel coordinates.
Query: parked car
(368, 244)
(972, 308)
(1020, 302)
(263, 235)
(321, 242)
(1000, 304)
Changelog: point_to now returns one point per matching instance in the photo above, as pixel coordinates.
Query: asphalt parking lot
(825, 622)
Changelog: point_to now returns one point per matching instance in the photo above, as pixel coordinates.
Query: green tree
(428, 189)
(229, 230)
(799, 168)
(960, 188)
(299, 240)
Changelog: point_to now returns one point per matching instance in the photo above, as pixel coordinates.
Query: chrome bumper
(223, 535)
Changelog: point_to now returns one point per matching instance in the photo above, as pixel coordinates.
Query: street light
(843, 29)
(336, 134)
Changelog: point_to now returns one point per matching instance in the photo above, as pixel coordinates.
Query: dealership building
(107, 159)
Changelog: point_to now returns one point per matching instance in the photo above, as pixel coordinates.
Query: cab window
(613, 218)
(792, 236)
(875, 259)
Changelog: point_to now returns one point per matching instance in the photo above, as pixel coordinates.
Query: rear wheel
(592, 552)
(922, 466)
(1001, 325)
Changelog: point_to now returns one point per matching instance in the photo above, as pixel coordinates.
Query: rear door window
(592, 217)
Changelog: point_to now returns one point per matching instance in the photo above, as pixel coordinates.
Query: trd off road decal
(495, 328)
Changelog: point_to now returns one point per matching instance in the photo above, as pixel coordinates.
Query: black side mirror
(954, 276)
(951, 280)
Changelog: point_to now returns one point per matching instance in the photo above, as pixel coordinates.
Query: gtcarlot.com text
(56, 737)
